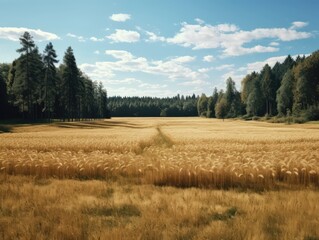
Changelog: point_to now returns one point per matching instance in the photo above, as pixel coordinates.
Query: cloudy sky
(164, 47)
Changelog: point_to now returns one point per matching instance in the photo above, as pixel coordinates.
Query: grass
(159, 178)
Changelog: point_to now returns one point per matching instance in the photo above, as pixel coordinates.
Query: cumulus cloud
(224, 67)
(205, 70)
(152, 37)
(120, 54)
(95, 39)
(184, 59)
(208, 58)
(14, 33)
(120, 17)
(199, 21)
(122, 35)
(126, 81)
(79, 38)
(125, 62)
(274, 44)
(296, 25)
(230, 38)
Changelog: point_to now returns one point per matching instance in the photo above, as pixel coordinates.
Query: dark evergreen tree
(254, 103)
(232, 98)
(3, 98)
(50, 77)
(268, 87)
(285, 94)
(23, 84)
(70, 85)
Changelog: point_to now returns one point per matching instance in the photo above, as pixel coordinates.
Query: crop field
(159, 178)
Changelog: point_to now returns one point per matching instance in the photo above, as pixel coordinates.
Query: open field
(234, 179)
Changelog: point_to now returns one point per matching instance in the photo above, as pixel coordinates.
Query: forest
(32, 88)
(288, 91)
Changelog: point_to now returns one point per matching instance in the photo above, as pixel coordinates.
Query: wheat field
(159, 178)
(181, 153)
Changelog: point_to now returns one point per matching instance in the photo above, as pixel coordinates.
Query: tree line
(288, 91)
(33, 88)
(178, 106)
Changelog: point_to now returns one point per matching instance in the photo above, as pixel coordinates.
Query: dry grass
(130, 164)
(72, 209)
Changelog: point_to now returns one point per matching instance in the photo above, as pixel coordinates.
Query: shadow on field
(5, 129)
(96, 125)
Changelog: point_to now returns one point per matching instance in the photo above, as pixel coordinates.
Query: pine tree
(22, 85)
(50, 77)
(268, 86)
(285, 94)
(3, 97)
(70, 85)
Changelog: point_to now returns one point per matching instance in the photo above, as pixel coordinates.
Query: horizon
(166, 48)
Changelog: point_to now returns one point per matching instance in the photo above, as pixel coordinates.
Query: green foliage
(221, 108)
(268, 87)
(153, 107)
(285, 93)
(202, 105)
(254, 104)
(48, 90)
(33, 88)
(3, 97)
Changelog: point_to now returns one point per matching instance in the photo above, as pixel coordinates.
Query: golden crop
(177, 152)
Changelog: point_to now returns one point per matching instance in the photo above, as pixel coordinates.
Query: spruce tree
(70, 84)
(50, 76)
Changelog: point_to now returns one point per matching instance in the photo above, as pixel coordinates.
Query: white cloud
(120, 54)
(126, 81)
(14, 33)
(95, 39)
(79, 38)
(199, 21)
(231, 39)
(225, 67)
(125, 62)
(239, 50)
(184, 59)
(274, 44)
(208, 58)
(120, 17)
(122, 35)
(296, 25)
(97, 52)
(152, 37)
(205, 70)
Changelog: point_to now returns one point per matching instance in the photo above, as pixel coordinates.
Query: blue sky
(162, 48)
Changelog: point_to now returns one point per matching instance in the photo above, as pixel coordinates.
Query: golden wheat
(182, 153)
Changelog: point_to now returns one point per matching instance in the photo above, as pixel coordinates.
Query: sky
(165, 47)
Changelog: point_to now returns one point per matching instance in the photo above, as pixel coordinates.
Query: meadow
(159, 178)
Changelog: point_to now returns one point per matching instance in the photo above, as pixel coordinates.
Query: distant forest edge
(33, 88)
